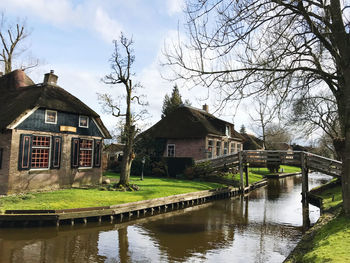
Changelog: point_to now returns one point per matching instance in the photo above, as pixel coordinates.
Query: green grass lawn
(75, 198)
(330, 242)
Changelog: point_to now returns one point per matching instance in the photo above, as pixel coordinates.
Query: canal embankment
(38, 217)
(328, 239)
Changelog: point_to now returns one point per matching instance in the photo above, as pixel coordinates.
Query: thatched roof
(251, 142)
(188, 122)
(19, 94)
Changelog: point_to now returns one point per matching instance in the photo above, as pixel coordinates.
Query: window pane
(51, 116)
(41, 152)
(85, 154)
(171, 150)
(83, 121)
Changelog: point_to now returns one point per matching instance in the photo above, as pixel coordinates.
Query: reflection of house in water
(49, 245)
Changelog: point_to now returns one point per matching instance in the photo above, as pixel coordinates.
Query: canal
(263, 226)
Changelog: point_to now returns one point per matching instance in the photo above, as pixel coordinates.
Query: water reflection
(263, 226)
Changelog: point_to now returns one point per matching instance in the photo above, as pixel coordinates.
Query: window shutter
(75, 153)
(97, 153)
(25, 150)
(56, 150)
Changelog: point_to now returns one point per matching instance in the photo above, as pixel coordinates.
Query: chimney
(206, 108)
(50, 78)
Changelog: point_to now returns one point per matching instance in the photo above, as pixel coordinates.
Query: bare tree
(12, 37)
(121, 63)
(297, 46)
(316, 112)
(265, 115)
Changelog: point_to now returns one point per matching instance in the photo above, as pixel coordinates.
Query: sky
(74, 38)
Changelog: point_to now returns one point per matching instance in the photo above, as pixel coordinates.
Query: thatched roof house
(191, 132)
(48, 138)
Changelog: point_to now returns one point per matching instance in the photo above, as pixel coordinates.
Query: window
(227, 131)
(171, 150)
(218, 148)
(210, 148)
(233, 146)
(83, 121)
(225, 148)
(85, 153)
(39, 152)
(239, 147)
(51, 116)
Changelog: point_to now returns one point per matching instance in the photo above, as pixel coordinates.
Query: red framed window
(40, 157)
(85, 153)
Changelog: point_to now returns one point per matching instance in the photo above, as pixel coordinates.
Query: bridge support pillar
(305, 177)
(240, 158)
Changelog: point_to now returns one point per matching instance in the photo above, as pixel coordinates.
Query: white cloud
(106, 26)
(175, 6)
(63, 13)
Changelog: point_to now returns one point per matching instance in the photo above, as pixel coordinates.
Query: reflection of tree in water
(123, 245)
(182, 236)
(276, 187)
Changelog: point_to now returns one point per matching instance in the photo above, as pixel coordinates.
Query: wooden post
(246, 174)
(240, 158)
(305, 177)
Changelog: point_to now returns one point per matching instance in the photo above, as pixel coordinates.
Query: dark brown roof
(114, 147)
(19, 94)
(189, 122)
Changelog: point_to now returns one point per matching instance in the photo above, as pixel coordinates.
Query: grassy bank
(74, 198)
(329, 239)
(257, 174)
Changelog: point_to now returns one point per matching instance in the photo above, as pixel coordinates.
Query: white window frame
(233, 147)
(228, 131)
(210, 148)
(87, 121)
(49, 122)
(226, 148)
(167, 148)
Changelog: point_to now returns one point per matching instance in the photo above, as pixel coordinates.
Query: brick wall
(194, 148)
(5, 144)
(45, 179)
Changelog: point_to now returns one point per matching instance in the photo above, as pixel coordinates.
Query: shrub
(273, 167)
(177, 165)
(198, 170)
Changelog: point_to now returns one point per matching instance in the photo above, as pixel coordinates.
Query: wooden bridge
(260, 158)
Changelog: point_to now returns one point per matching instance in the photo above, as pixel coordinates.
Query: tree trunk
(129, 130)
(344, 144)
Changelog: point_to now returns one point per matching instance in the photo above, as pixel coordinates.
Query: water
(264, 226)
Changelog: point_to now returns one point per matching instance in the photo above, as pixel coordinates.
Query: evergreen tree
(242, 130)
(171, 103)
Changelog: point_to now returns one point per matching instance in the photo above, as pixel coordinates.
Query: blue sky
(74, 38)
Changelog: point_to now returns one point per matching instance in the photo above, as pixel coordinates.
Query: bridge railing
(323, 164)
(261, 158)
